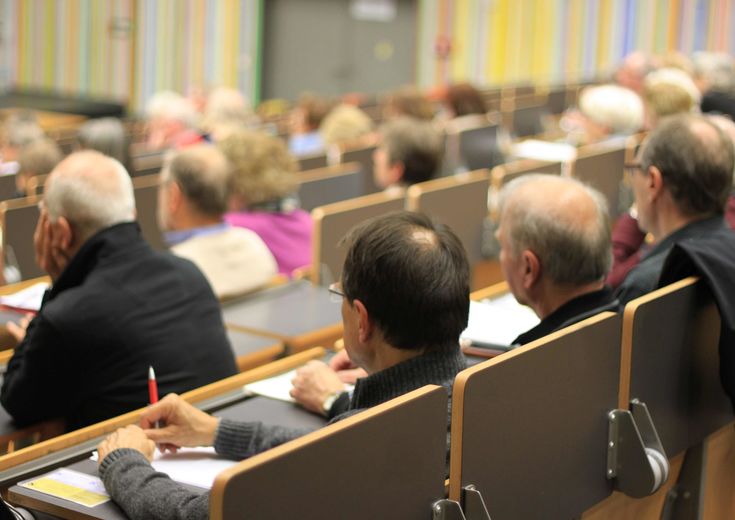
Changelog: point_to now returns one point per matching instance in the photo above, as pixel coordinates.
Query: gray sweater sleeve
(142, 492)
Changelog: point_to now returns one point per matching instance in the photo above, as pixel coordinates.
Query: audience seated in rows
(409, 151)
(108, 136)
(264, 197)
(555, 251)
(172, 121)
(37, 158)
(114, 309)
(192, 201)
(681, 182)
(405, 300)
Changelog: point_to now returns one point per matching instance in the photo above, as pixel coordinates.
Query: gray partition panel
(146, 204)
(388, 465)
(462, 207)
(529, 120)
(333, 226)
(675, 367)
(604, 172)
(18, 229)
(286, 311)
(244, 343)
(312, 162)
(328, 190)
(535, 424)
(364, 156)
(478, 148)
(272, 411)
(7, 186)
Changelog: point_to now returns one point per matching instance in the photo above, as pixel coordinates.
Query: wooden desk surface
(255, 408)
(299, 314)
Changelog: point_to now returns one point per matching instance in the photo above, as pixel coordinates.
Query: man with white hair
(172, 120)
(114, 309)
(606, 112)
(555, 251)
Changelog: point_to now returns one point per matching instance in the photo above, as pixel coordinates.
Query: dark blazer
(713, 259)
(117, 308)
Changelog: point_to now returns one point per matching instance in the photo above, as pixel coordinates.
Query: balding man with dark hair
(115, 308)
(681, 183)
(192, 201)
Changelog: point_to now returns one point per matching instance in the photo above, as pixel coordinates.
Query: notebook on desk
(494, 324)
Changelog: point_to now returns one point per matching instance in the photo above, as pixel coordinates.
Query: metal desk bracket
(685, 500)
(474, 507)
(635, 457)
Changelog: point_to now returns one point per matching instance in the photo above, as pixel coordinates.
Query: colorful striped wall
(129, 49)
(507, 41)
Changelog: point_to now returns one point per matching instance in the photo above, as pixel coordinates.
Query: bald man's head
(563, 222)
(92, 191)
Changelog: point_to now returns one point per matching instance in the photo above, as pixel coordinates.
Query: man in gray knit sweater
(405, 300)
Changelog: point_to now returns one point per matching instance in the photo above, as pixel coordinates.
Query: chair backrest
(7, 186)
(528, 120)
(530, 429)
(476, 147)
(333, 221)
(459, 201)
(146, 205)
(330, 184)
(670, 339)
(602, 167)
(19, 218)
(387, 462)
(312, 162)
(147, 164)
(363, 156)
(502, 175)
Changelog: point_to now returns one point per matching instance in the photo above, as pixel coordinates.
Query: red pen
(153, 390)
(152, 386)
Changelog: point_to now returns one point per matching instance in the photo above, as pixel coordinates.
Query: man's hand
(128, 437)
(49, 255)
(314, 382)
(347, 371)
(181, 424)
(19, 331)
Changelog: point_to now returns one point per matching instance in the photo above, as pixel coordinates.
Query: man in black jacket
(555, 250)
(115, 308)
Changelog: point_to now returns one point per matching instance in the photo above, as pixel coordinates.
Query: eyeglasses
(335, 292)
(631, 168)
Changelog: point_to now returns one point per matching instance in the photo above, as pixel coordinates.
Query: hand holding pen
(184, 425)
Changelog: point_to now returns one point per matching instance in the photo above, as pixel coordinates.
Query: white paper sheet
(276, 387)
(498, 321)
(28, 299)
(545, 151)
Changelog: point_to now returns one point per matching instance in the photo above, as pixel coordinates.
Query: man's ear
(364, 324)
(63, 236)
(175, 197)
(654, 182)
(396, 170)
(531, 268)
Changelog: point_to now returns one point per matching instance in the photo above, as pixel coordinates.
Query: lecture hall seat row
(610, 418)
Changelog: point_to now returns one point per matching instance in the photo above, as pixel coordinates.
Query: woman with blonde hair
(263, 196)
